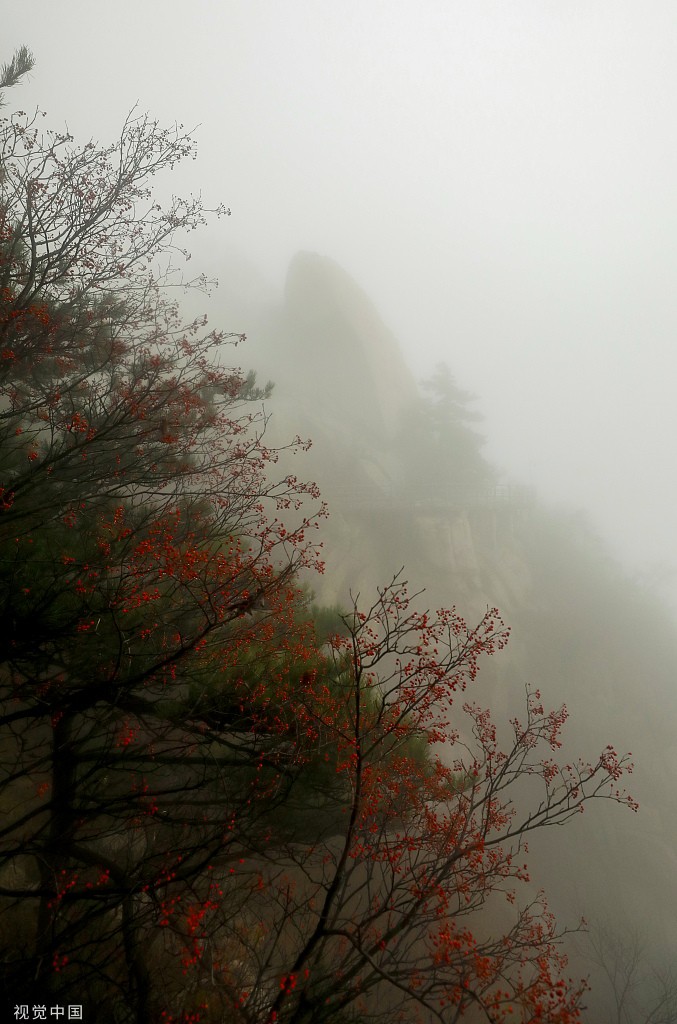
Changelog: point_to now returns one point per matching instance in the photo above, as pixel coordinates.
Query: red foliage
(199, 789)
(426, 839)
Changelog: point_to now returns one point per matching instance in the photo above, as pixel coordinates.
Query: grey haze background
(498, 176)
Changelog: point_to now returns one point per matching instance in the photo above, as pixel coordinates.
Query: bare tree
(637, 991)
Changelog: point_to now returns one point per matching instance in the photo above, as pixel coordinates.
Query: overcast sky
(500, 176)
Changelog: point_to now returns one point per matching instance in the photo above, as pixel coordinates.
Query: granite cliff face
(336, 335)
(340, 379)
(582, 633)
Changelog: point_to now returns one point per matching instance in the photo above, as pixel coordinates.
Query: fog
(498, 178)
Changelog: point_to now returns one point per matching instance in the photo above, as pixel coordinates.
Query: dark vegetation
(218, 804)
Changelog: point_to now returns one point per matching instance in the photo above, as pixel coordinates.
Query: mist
(497, 180)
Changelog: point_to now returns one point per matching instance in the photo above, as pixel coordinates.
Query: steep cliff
(407, 486)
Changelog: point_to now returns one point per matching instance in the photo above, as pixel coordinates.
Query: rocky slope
(581, 632)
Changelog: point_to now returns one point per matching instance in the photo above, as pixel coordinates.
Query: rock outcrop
(582, 633)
